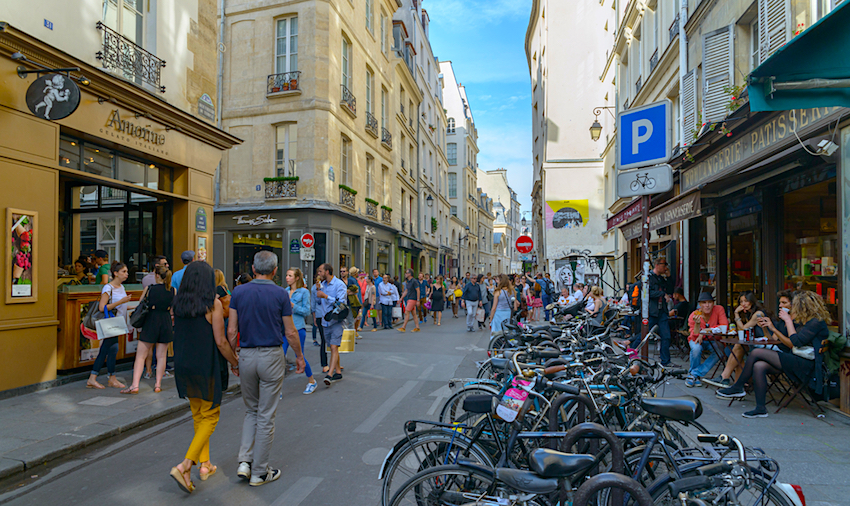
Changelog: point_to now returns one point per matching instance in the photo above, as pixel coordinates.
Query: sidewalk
(38, 427)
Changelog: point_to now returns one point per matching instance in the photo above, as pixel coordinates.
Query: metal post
(644, 294)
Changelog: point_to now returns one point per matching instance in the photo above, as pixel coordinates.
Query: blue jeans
(365, 316)
(547, 314)
(387, 316)
(108, 351)
(697, 369)
(302, 335)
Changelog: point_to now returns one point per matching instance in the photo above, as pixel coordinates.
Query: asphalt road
(329, 445)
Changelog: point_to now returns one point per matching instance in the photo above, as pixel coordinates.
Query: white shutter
(717, 72)
(774, 23)
(689, 105)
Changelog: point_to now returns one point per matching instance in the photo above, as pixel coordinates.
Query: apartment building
(322, 94)
(487, 252)
(461, 154)
(506, 225)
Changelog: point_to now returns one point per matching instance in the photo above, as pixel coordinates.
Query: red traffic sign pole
(524, 244)
(307, 240)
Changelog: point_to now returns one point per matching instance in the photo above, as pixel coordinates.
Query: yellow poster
(567, 213)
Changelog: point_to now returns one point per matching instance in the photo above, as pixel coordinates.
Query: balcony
(653, 61)
(286, 83)
(348, 102)
(626, 105)
(372, 124)
(386, 138)
(281, 187)
(386, 215)
(638, 85)
(372, 209)
(120, 53)
(674, 28)
(346, 197)
(402, 109)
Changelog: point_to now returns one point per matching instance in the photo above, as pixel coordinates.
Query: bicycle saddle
(499, 364)
(526, 481)
(479, 404)
(536, 328)
(554, 464)
(686, 408)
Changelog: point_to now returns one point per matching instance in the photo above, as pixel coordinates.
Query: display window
(246, 245)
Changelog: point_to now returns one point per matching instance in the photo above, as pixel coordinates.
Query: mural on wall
(576, 270)
(566, 214)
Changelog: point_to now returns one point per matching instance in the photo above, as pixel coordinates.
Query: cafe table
(716, 341)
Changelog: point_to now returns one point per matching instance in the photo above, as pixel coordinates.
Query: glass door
(744, 257)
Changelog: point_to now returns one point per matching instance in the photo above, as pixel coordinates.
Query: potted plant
(285, 86)
(293, 84)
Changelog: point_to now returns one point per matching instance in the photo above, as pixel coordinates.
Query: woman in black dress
(200, 351)
(438, 299)
(157, 330)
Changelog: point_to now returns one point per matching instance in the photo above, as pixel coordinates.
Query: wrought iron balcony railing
(371, 124)
(653, 61)
(386, 138)
(348, 100)
(638, 85)
(120, 53)
(283, 82)
(674, 28)
(402, 109)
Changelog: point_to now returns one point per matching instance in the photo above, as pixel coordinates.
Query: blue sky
(485, 41)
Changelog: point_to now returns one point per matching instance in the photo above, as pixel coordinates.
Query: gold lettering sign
(752, 143)
(127, 128)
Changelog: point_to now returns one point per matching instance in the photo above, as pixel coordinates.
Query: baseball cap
(187, 256)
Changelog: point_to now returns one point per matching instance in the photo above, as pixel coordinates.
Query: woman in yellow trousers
(200, 351)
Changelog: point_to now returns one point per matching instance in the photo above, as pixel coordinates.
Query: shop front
(121, 171)
(409, 256)
(338, 240)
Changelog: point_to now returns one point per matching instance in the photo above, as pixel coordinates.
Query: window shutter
(689, 105)
(717, 69)
(774, 21)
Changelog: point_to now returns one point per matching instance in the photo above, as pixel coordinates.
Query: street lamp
(596, 127)
(430, 201)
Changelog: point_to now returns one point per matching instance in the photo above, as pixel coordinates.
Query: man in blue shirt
(329, 292)
(423, 296)
(387, 293)
(258, 310)
(377, 279)
(186, 257)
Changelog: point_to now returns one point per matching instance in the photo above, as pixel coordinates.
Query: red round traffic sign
(307, 240)
(524, 244)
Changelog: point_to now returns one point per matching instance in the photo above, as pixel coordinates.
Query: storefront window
(383, 257)
(743, 227)
(97, 161)
(131, 171)
(845, 233)
(367, 257)
(69, 153)
(245, 246)
(708, 254)
(811, 247)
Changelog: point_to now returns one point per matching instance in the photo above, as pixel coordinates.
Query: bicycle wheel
(756, 494)
(453, 408)
(432, 448)
(445, 485)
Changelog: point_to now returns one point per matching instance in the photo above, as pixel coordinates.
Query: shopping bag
(373, 313)
(481, 315)
(111, 327)
(397, 312)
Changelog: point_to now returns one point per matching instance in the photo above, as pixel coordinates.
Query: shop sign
(53, 96)
(259, 220)
(134, 130)
(624, 215)
(201, 220)
(752, 143)
(206, 108)
(677, 211)
(294, 246)
(308, 254)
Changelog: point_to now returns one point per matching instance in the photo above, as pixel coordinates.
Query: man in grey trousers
(260, 312)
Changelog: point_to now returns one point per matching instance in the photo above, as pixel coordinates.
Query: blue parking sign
(645, 135)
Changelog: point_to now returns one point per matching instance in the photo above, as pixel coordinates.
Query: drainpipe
(418, 165)
(218, 91)
(683, 66)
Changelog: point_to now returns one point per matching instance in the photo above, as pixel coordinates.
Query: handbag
(428, 304)
(225, 304)
(480, 315)
(397, 312)
(93, 314)
(140, 314)
(111, 326)
(806, 352)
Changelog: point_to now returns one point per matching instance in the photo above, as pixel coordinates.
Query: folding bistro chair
(803, 390)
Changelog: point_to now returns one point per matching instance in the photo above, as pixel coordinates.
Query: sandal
(210, 470)
(130, 391)
(157, 390)
(183, 481)
(95, 385)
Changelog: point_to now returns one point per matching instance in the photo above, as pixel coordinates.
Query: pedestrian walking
(471, 302)
(502, 304)
(157, 330)
(201, 347)
(388, 296)
(424, 291)
(331, 292)
(370, 303)
(318, 313)
(377, 279)
(186, 257)
(114, 298)
(485, 300)
(454, 286)
(353, 319)
(438, 300)
(299, 296)
(410, 299)
(261, 312)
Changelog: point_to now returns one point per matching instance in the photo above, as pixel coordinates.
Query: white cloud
(467, 14)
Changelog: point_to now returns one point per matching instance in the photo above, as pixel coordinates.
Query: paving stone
(9, 467)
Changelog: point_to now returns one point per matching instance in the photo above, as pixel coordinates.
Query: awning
(812, 70)
(680, 208)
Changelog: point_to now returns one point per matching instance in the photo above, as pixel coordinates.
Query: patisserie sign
(134, 130)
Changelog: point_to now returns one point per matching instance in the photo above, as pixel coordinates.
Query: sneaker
(756, 413)
(244, 470)
(168, 374)
(311, 387)
(269, 477)
(416, 329)
(336, 377)
(730, 393)
(718, 381)
(667, 365)
(328, 380)
(401, 329)
(315, 343)
(693, 381)
(147, 375)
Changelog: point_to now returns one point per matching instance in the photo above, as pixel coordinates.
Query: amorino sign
(774, 132)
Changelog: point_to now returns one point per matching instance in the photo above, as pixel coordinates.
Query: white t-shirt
(563, 301)
(117, 294)
(591, 304)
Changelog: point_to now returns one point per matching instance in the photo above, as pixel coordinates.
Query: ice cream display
(22, 251)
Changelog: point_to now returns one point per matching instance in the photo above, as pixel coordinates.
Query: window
(450, 129)
(383, 33)
(452, 185)
(125, 17)
(286, 148)
(383, 107)
(370, 167)
(754, 44)
(385, 183)
(451, 153)
(346, 63)
(370, 84)
(369, 15)
(286, 45)
(345, 160)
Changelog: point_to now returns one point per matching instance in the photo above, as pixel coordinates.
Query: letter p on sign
(637, 137)
(644, 135)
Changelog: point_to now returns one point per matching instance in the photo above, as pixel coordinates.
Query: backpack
(550, 289)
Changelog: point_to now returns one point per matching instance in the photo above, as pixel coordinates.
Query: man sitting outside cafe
(708, 319)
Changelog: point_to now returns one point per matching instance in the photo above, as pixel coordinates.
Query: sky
(485, 41)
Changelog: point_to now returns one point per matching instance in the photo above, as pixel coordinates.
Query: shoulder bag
(140, 314)
(225, 304)
(806, 352)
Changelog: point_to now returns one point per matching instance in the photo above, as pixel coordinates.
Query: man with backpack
(471, 299)
(660, 287)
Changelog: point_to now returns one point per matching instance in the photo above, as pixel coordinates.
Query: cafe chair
(807, 390)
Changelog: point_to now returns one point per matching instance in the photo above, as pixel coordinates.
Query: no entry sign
(307, 240)
(524, 244)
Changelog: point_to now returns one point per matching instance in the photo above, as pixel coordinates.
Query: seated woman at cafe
(81, 272)
(806, 325)
(746, 316)
(708, 319)
(596, 304)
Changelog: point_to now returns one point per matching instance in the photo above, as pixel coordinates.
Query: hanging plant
(688, 156)
(735, 99)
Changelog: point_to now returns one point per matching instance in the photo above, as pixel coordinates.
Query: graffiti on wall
(566, 214)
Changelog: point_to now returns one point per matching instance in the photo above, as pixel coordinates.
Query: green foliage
(349, 190)
(274, 179)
